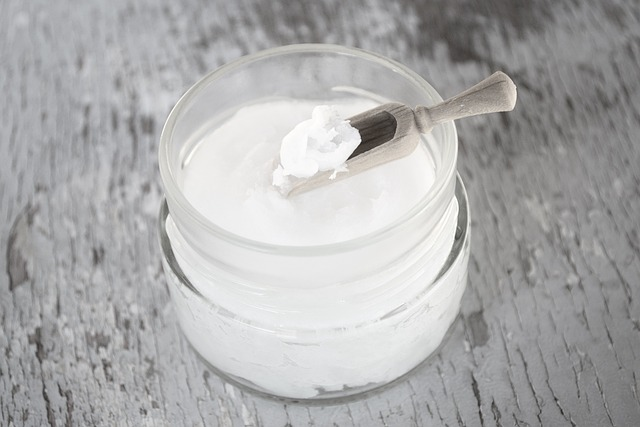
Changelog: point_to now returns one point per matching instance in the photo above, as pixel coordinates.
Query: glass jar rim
(173, 192)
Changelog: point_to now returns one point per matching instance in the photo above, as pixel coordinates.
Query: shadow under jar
(313, 321)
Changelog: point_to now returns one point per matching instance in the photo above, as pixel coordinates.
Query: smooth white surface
(228, 178)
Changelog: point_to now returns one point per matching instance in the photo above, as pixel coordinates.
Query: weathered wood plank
(550, 325)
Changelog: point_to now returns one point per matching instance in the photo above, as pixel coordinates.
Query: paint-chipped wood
(550, 326)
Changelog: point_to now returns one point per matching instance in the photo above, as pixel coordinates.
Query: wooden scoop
(392, 130)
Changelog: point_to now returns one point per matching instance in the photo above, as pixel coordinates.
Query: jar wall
(328, 363)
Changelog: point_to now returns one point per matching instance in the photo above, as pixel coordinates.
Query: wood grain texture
(550, 326)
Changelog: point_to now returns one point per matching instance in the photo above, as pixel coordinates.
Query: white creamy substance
(294, 328)
(321, 143)
(228, 178)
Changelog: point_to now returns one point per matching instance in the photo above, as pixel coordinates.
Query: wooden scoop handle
(494, 94)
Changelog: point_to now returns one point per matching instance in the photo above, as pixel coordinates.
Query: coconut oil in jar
(328, 293)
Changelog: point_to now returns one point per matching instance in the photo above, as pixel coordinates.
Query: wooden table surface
(549, 332)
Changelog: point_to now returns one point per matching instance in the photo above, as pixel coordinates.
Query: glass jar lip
(175, 195)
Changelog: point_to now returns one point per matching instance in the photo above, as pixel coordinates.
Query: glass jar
(313, 322)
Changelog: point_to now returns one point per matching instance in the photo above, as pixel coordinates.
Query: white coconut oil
(323, 294)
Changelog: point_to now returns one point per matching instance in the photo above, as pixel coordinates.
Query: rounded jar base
(329, 398)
